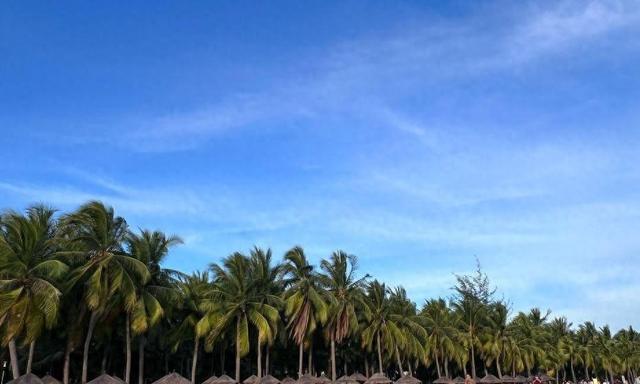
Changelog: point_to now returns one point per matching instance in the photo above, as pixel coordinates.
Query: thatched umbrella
(359, 377)
(105, 379)
(29, 378)
(172, 378)
(307, 379)
(268, 379)
(224, 379)
(508, 379)
(443, 380)
(458, 380)
(288, 380)
(50, 380)
(210, 380)
(408, 379)
(323, 379)
(545, 379)
(490, 379)
(347, 380)
(250, 380)
(521, 379)
(378, 378)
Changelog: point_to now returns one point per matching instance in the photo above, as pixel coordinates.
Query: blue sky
(416, 135)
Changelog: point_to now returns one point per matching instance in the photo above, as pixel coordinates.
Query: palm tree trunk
(13, 355)
(259, 359)
(399, 360)
(345, 367)
(366, 366)
(473, 358)
(573, 372)
(498, 366)
(586, 372)
(87, 343)
(266, 360)
(141, 344)
(310, 358)
(333, 359)
(105, 353)
(127, 370)
(410, 368)
(446, 367)
(300, 358)
(379, 354)
(438, 365)
(67, 361)
(32, 348)
(194, 363)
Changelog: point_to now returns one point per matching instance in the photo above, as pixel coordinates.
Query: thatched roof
(521, 379)
(359, 377)
(105, 379)
(250, 380)
(224, 379)
(307, 379)
(29, 378)
(458, 380)
(508, 379)
(378, 378)
(210, 380)
(323, 379)
(544, 378)
(50, 380)
(268, 379)
(347, 380)
(443, 380)
(408, 379)
(172, 378)
(288, 380)
(490, 379)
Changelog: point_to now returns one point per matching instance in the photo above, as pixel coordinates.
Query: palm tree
(151, 248)
(236, 302)
(494, 336)
(345, 295)
(414, 336)
(107, 270)
(30, 300)
(305, 307)
(586, 336)
(440, 325)
(194, 292)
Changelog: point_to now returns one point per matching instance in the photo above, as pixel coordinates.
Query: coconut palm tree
(414, 336)
(440, 323)
(236, 303)
(305, 306)
(345, 295)
(107, 270)
(29, 273)
(494, 336)
(151, 248)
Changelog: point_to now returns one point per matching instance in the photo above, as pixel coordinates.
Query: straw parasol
(224, 379)
(458, 380)
(306, 379)
(347, 380)
(521, 379)
(210, 380)
(545, 378)
(250, 380)
(378, 378)
(268, 379)
(29, 378)
(359, 377)
(508, 379)
(172, 378)
(408, 379)
(105, 379)
(443, 380)
(50, 380)
(323, 379)
(288, 380)
(490, 379)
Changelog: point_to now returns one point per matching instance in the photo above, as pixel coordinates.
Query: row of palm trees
(85, 280)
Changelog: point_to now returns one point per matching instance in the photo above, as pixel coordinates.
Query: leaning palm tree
(150, 248)
(305, 306)
(236, 303)
(440, 325)
(494, 337)
(29, 273)
(345, 295)
(414, 336)
(107, 270)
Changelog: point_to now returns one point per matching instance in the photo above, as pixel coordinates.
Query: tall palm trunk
(194, 363)
(473, 355)
(310, 358)
(399, 360)
(586, 372)
(238, 349)
(259, 359)
(333, 359)
(573, 372)
(141, 344)
(13, 355)
(379, 354)
(266, 361)
(438, 364)
(127, 369)
(87, 343)
(300, 358)
(498, 366)
(32, 347)
(67, 361)
(446, 367)
(366, 366)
